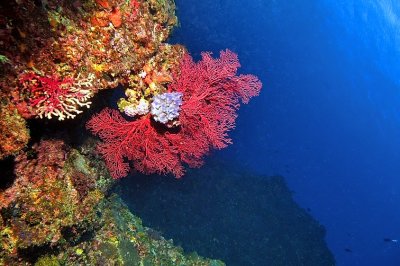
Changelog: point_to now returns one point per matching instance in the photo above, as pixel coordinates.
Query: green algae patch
(123, 240)
(47, 261)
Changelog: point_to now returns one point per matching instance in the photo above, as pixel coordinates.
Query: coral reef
(122, 240)
(58, 212)
(108, 38)
(57, 54)
(211, 93)
(14, 134)
(45, 200)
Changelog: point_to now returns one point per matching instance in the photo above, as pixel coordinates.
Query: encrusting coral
(45, 198)
(14, 134)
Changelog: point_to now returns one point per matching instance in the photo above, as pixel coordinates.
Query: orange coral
(103, 3)
(100, 19)
(115, 17)
(161, 77)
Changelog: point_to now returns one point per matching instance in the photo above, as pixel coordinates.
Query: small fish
(348, 250)
(390, 240)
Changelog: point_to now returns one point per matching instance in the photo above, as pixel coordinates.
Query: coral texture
(120, 238)
(45, 199)
(55, 55)
(108, 41)
(53, 96)
(211, 91)
(14, 134)
(141, 108)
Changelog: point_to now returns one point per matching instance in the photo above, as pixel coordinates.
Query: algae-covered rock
(122, 240)
(14, 134)
(58, 212)
(49, 260)
(223, 211)
(51, 201)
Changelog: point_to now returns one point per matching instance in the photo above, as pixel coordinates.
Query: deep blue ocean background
(328, 116)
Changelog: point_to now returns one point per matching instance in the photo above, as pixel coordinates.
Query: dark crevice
(33, 253)
(7, 172)
(72, 131)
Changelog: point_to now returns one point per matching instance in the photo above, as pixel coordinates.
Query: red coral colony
(211, 94)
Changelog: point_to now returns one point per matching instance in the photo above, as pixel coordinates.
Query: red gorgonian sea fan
(212, 92)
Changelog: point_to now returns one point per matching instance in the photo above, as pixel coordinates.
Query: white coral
(141, 108)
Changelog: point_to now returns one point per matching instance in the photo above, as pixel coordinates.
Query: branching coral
(211, 95)
(54, 96)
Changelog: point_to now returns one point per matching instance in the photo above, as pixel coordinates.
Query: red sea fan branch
(137, 141)
(110, 126)
(212, 93)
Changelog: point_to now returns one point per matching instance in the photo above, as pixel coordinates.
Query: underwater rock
(58, 212)
(45, 200)
(122, 240)
(14, 134)
(225, 212)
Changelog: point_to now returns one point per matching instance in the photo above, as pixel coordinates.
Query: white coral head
(142, 108)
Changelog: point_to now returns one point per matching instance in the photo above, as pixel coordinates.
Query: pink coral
(211, 95)
(138, 141)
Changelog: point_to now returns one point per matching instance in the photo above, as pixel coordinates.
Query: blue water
(328, 117)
